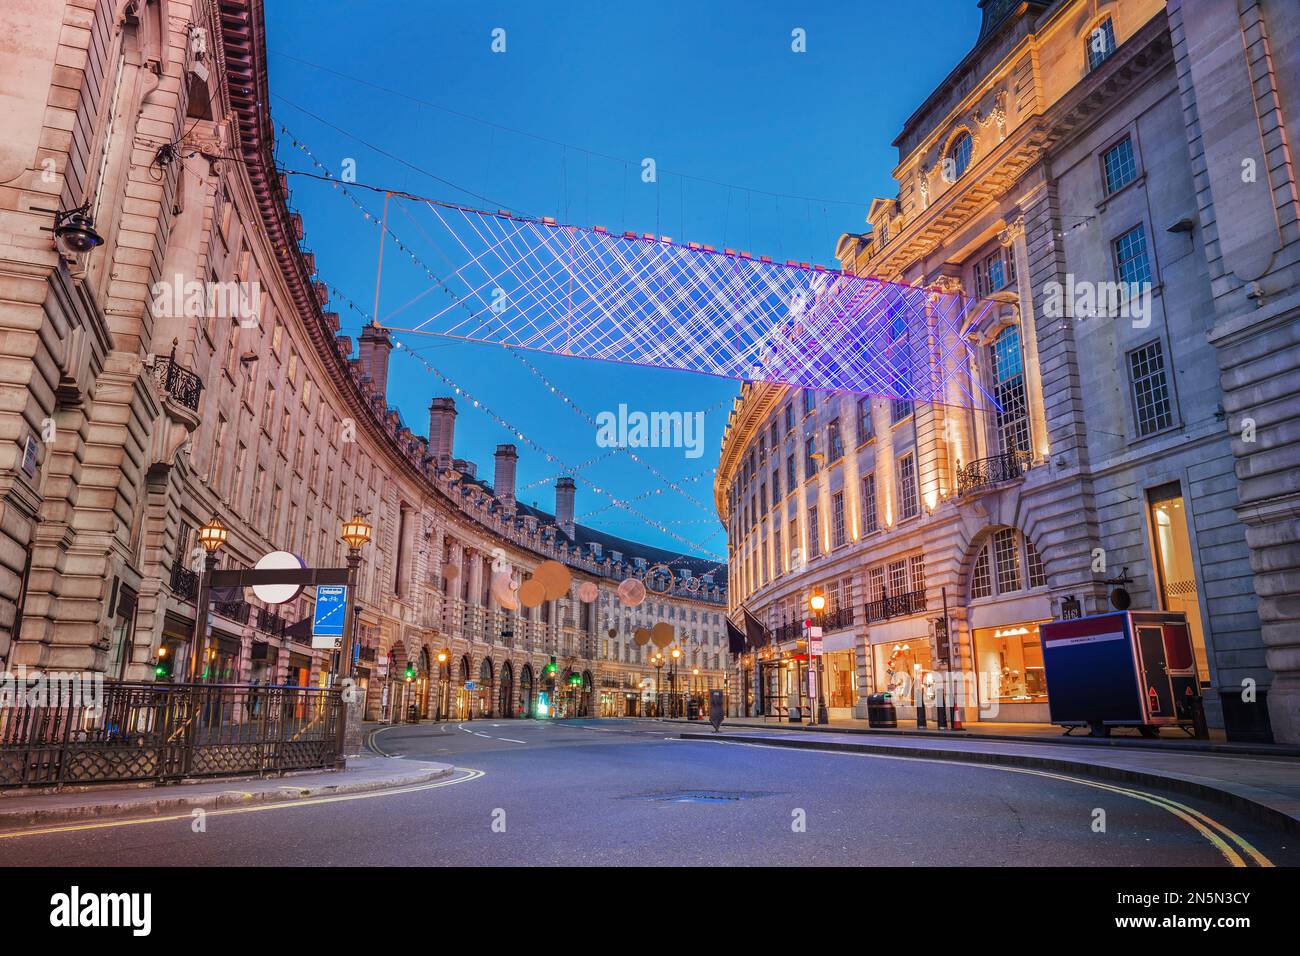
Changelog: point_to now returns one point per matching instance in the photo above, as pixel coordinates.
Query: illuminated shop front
(905, 669)
(1009, 664)
(783, 683)
(840, 674)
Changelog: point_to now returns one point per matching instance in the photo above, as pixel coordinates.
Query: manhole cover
(701, 796)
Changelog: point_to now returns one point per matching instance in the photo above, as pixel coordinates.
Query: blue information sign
(327, 625)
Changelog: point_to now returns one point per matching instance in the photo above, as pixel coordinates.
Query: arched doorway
(505, 693)
(526, 703)
(483, 696)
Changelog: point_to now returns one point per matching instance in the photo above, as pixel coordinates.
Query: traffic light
(410, 672)
(550, 668)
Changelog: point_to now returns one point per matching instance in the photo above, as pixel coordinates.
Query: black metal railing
(991, 471)
(790, 631)
(183, 385)
(120, 731)
(839, 618)
(184, 582)
(896, 605)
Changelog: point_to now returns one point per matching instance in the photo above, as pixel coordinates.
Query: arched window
(1007, 562)
(958, 158)
(1007, 363)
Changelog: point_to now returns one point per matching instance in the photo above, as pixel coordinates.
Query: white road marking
(512, 740)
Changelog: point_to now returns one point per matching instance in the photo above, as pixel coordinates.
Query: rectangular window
(837, 519)
(1119, 165)
(777, 554)
(875, 584)
(870, 524)
(1132, 266)
(864, 419)
(899, 409)
(810, 463)
(994, 273)
(791, 479)
(1152, 408)
(809, 400)
(908, 505)
(834, 444)
(814, 533)
(897, 578)
(776, 487)
(1100, 44)
(981, 583)
(762, 496)
(794, 545)
(789, 417)
(916, 572)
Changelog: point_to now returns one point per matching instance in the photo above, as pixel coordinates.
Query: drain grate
(701, 796)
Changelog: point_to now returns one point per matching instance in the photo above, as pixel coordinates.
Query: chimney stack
(373, 349)
(503, 481)
(442, 429)
(565, 489)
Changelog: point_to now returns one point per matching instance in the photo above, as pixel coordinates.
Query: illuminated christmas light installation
(536, 284)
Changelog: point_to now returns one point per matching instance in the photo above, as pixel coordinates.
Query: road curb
(168, 802)
(1218, 749)
(1256, 809)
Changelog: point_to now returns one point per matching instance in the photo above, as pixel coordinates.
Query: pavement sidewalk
(20, 809)
(1025, 733)
(1266, 787)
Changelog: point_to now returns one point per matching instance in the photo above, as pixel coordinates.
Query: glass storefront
(902, 668)
(841, 675)
(1009, 660)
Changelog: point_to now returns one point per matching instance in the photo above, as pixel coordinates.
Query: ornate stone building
(1064, 174)
(190, 368)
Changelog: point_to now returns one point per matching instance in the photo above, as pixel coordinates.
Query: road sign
(278, 593)
(331, 613)
(469, 685)
(815, 647)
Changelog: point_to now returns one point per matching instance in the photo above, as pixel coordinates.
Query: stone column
(1014, 237)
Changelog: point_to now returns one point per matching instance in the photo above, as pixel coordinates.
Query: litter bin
(881, 711)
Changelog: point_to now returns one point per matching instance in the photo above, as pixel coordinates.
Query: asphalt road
(608, 792)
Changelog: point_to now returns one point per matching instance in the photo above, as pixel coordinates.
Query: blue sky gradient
(558, 125)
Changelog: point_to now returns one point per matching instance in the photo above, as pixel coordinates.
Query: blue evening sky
(558, 125)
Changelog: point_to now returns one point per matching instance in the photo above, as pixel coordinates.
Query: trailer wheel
(1149, 730)
(1098, 729)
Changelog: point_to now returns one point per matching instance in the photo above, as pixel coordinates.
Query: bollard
(940, 711)
(920, 711)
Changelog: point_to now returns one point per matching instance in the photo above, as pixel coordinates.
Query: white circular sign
(278, 593)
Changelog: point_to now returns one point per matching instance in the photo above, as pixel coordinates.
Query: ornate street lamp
(212, 536)
(817, 604)
(356, 534)
(443, 657)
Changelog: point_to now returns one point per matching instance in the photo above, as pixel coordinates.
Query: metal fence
(129, 731)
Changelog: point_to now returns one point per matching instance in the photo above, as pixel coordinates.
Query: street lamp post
(442, 682)
(817, 604)
(672, 680)
(212, 536)
(657, 659)
(356, 534)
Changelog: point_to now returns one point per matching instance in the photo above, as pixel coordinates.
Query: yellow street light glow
(356, 533)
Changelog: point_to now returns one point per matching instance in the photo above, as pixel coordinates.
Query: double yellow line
(468, 775)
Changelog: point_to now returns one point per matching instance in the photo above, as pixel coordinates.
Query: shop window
(903, 669)
(1175, 566)
(841, 675)
(1009, 660)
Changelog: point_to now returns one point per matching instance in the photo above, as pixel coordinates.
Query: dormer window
(1100, 44)
(958, 159)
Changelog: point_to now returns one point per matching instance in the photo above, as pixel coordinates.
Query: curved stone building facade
(1058, 176)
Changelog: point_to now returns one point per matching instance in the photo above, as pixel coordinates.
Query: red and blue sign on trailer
(1128, 668)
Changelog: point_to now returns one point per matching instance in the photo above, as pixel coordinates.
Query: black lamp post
(817, 604)
(212, 536)
(356, 534)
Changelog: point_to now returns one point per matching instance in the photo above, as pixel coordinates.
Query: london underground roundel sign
(278, 593)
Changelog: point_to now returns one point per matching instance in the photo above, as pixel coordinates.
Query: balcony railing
(838, 619)
(184, 582)
(178, 382)
(984, 472)
(897, 605)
